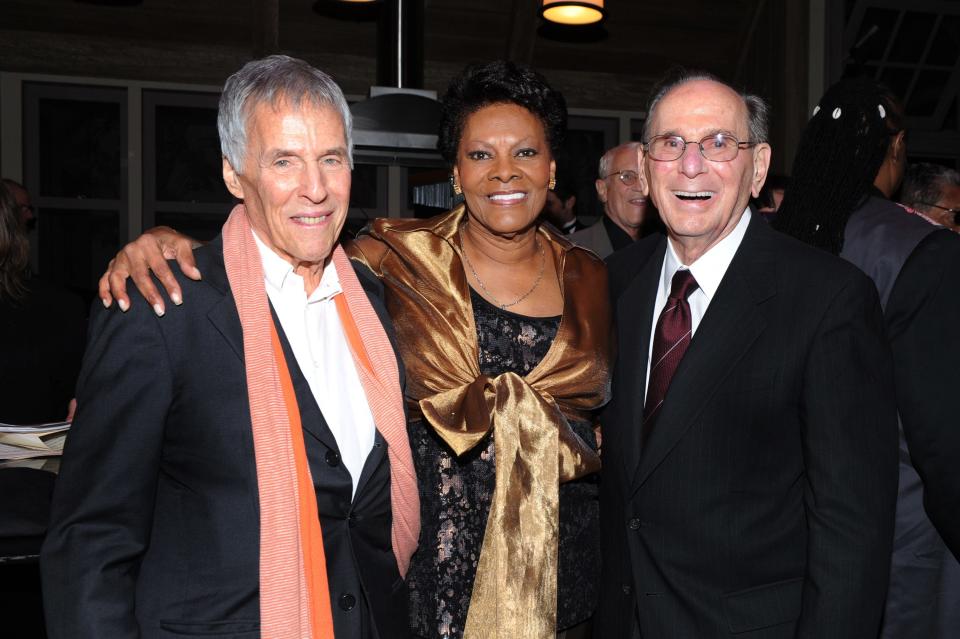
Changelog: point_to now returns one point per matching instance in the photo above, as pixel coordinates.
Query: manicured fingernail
(176, 298)
(158, 309)
(105, 302)
(123, 305)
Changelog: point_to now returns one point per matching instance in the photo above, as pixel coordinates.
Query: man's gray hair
(271, 80)
(923, 184)
(758, 113)
(603, 169)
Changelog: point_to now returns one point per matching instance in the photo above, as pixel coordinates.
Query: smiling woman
(501, 384)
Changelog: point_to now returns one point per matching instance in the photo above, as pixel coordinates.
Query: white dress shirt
(313, 329)
(708, 270)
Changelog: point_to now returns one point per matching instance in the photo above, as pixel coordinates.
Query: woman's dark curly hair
(499, 82)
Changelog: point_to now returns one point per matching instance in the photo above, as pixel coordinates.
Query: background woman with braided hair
(850, 162)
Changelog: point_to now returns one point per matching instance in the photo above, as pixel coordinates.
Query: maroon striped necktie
(670, 342)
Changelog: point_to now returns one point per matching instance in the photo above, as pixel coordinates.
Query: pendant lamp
(574, 12)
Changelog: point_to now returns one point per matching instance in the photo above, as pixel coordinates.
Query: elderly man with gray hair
(625, 208)
(934, 190)
(241, 468)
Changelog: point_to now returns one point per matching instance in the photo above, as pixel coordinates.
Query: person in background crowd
(241, 468)
(504, 328)
(625, 209)
(849, 163)
(42, 330)
(934, 190)
(749, 449)
(560, 208)
(26, 214)
(771, 196)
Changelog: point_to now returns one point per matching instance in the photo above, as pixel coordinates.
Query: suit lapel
(224, 314)
(634, 319)
(730, 325)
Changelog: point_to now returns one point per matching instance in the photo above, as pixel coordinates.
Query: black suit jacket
(155, 526)
(923, 320)
(762, 504)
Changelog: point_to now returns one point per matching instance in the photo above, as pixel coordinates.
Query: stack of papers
(35, 446)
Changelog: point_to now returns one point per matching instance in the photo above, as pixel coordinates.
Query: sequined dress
(455, 496)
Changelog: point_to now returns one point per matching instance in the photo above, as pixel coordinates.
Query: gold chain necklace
(536, 283)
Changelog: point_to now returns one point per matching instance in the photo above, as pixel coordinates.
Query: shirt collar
(278, 273)
(710, 268)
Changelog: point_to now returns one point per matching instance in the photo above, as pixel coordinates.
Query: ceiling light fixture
(575, 12)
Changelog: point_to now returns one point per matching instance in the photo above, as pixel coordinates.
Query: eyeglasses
(719, 147)
(942, 208)
(627, 177)
(955, 211)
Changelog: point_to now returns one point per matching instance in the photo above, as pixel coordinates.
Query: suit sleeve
(850, 444)
(923, 319)
(103, 503)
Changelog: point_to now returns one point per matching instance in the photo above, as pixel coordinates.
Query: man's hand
(147, 253)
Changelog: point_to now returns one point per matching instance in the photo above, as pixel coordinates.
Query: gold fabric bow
(515, 589)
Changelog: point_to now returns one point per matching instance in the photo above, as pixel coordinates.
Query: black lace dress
(455, 497)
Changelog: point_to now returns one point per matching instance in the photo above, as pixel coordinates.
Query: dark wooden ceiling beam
(523, 31)
(265, 27)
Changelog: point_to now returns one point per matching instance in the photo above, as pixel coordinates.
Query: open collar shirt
(313, 329)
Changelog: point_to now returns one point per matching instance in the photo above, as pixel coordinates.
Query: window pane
(189, 167)
(80, 148)
(76, 247)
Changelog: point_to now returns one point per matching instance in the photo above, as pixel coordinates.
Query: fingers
(186, 261)
(103, 286)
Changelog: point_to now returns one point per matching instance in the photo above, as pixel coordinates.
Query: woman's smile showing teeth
(507, 198)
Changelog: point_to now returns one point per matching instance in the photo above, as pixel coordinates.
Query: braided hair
(840, 153)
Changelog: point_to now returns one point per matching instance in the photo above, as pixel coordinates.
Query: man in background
(934, 190)
(625, 209)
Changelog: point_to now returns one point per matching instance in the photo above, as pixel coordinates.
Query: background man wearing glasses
(933, 190)
(750, 450)
(625, 210)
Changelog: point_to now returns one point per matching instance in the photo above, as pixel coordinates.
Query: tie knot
(683, 284)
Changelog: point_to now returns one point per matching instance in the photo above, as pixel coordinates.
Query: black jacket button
(634, 524)
(347, 601)
(626, 589)
(332, 458)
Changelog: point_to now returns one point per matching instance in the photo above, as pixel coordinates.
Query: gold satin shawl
(515, 589)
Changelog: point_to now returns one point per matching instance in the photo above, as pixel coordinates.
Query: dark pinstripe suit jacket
(762, 504)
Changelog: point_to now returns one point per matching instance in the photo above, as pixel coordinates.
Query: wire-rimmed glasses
(718, 147)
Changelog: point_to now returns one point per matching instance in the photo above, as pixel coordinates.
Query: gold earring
(552, 184)
(456, 186)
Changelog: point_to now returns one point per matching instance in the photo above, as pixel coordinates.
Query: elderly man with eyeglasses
(626, 214)
(934, 190)
(750, 448)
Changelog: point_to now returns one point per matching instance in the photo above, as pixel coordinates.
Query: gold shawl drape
(515, 589)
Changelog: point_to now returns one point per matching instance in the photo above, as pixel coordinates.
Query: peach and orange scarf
(294, 594)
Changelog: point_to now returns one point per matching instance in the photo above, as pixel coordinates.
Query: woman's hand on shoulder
(147, 253)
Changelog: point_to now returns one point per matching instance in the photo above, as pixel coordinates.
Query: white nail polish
(176, 299)
(123, 305)
(158, 309)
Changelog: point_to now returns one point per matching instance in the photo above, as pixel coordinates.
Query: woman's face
(504, 166)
